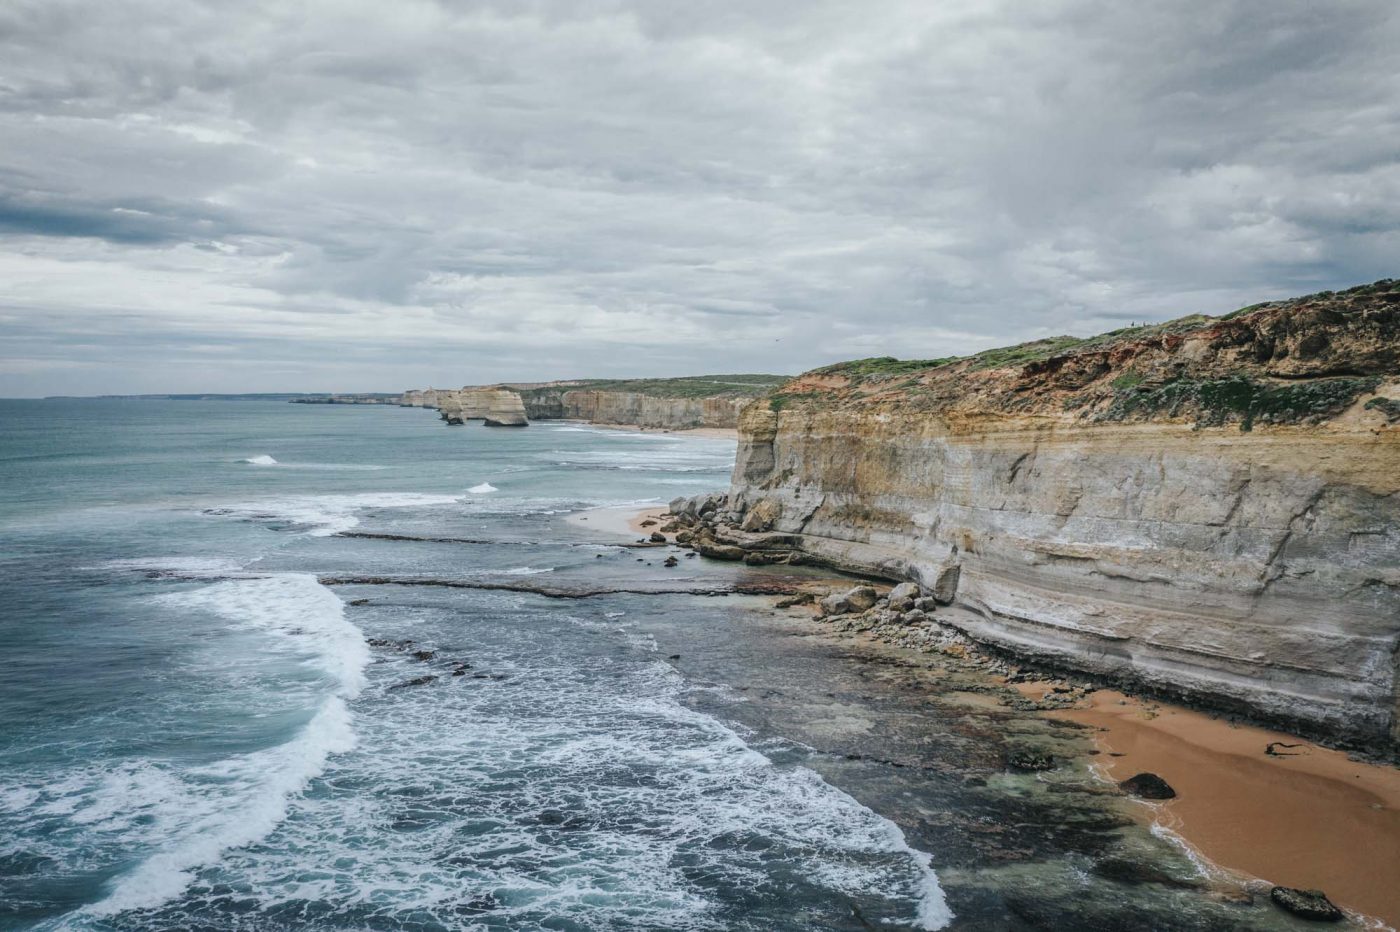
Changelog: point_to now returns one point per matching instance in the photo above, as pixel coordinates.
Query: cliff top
(1304, 359)
(694, 386)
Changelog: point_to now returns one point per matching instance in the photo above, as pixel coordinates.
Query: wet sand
(1314, 819)
(622, 520)
(717, 433)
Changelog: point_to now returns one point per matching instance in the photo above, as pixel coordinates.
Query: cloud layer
(361, 196)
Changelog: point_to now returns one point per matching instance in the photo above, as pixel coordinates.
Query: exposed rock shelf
(1209, 508)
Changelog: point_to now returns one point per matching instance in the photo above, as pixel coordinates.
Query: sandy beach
(622, 520)
(717, 433)
(1305, 816)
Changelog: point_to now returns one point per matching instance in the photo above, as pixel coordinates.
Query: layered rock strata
(504, 408)
(471, 404)
(1208, 508)
(638, 409)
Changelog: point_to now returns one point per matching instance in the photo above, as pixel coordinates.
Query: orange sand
(1316, 820)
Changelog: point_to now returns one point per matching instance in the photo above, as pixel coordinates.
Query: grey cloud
(462, 191)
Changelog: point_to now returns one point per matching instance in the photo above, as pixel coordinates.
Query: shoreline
(1304, 816)
(622, 520)
(713, 433)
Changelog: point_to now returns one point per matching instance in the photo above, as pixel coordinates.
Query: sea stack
(505, 409)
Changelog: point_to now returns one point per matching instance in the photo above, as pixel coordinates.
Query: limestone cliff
(1209, 507)
(666, 404)
(504, 409)
(472, 404)
(631, 408)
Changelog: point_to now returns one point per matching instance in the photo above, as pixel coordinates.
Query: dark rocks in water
(416, 681)
(460, 668)
(424, 655)
(1308, 904)
(674, 657)
(1147, 786)
(671, 561)
(657, 537)
(690, 555)
(392, 645)
(761, 558)
(1030, 759)
(708, 548)
(802, 598)
(1134, 872)
(358, 602)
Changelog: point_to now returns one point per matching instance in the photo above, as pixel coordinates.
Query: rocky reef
(1207, 508)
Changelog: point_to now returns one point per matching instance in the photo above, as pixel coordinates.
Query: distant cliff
(1208, 507)
(670, 404)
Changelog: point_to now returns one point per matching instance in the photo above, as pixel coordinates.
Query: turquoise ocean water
(196, 733)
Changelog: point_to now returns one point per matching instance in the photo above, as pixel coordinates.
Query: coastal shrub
(1220, 401)
(1129, 379)
(1390, 407)
(882, 367)
(779, 400)
(695, 386)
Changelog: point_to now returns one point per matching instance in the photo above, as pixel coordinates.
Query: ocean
(196, 732)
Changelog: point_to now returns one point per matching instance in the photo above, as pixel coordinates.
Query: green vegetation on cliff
(1303, 360)
(1239, 398)
(694, 386)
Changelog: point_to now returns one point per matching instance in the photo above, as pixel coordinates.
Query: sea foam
(261, 460)
(201, 811)
(325, 515)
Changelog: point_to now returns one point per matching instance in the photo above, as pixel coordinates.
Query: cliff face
(641, 410)
(504, 409)
(1209, 507)
(474, 404)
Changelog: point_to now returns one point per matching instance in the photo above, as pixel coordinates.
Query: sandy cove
(1305, 816)
(715, 433)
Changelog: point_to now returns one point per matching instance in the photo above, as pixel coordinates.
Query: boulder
(1309, 904)
(834, 604)
(913, 617)
(709, 548)
(684, 537)
(861, 597)
(1147, 786)
(657, 537)
(905, 592)
(761, 516)
(945, 590)
(926, 603)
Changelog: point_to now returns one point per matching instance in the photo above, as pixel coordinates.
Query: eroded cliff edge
(663, 404)
(1208, 508)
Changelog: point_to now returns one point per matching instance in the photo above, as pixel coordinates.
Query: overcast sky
(376, 195)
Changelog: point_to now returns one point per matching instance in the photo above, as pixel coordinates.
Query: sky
(372, 196)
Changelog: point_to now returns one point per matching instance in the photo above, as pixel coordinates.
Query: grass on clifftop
(693, 386)
(1240, 398)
